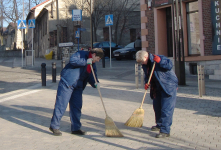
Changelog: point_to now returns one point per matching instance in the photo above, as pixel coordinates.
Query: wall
(11, 53)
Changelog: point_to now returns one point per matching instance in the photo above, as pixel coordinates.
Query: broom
(136, 119)
(111, 129)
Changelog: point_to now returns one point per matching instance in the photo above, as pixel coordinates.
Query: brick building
(201, 32)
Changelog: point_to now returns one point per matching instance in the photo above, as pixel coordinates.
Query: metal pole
(91, 22)
(58, 33)
(182, 46)
(182, 36)
(178, 28)
(22, 37)
(110, 43)
(78, 38)
(32, 49)
(22, 47)
(174, 31)
(78, 44)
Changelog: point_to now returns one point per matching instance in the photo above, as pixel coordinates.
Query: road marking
(22, 92)
(19, 95)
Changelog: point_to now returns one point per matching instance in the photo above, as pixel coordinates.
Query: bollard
(136, 75)
(103, 62)
(201, 80)
(62, 64)
(141, 76)
(43, 74)
(53, 72)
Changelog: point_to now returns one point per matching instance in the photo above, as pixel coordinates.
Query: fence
(28, 57)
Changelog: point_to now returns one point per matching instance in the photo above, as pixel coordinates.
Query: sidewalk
(26, 109)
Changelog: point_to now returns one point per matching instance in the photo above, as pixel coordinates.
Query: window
(193, 28)
(131, 45)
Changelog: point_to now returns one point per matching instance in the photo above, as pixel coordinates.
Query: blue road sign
(109, 20)
(77, 34)
(31, 23)
(21, 24)
(76, 15)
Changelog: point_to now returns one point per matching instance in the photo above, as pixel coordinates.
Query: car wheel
(133, 56)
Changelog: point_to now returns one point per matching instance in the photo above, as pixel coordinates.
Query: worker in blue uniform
(74, 78)
(163, 89)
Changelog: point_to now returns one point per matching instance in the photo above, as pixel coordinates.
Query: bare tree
(13, 11)
(36, 2)
(99, 11)
(121, 10)
(12, 14)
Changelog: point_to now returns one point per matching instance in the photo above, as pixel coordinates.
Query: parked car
(128, 51)
(106, 47)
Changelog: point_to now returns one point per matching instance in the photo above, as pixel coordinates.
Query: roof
(41, 14)
(39, 4)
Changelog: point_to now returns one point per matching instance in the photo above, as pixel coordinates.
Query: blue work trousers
(163, 106)
(64, 96)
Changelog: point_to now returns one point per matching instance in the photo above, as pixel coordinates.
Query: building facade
(45, 32)
(201, 32)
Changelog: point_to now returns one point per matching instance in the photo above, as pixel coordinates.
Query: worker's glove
(156, 59)
(89, 61)
(97, 85)
(146, 86)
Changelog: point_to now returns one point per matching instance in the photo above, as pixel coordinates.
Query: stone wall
(11, 53)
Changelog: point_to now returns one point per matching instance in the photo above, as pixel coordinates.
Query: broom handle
(98, 89)
(148, 83)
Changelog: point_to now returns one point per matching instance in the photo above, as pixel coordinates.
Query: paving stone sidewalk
(26, 109)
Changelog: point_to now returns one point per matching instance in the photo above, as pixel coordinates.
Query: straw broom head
(136, 119)
(111, 129)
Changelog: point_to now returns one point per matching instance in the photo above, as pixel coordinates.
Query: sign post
(21, 24)
(77, 35)
(77, 16)
(31, 25)
(109, 22)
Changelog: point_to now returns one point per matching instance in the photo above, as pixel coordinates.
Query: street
(26, 109)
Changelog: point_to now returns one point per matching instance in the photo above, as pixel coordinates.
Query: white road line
(19, 95)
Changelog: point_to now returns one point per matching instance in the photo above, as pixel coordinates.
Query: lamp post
(178, 42)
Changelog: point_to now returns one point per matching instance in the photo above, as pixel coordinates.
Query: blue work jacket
(163, 73)
(75, 72)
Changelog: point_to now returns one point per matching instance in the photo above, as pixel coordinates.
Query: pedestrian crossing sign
(77, 34)
(21, 24)
(31, 23)
(109, 20)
